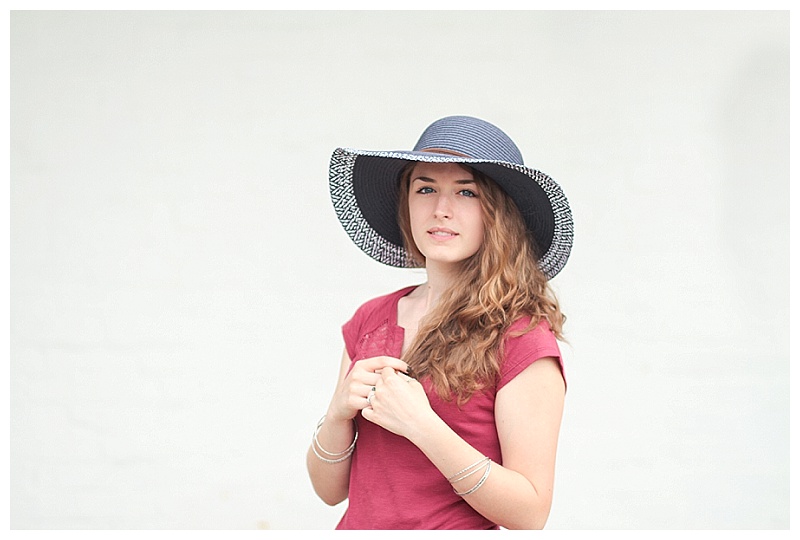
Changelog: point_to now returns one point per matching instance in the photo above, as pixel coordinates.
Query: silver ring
(370, 396)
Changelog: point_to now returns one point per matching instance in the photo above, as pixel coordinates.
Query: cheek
(417, 211)
(479, 236)
(415, 220)
(477, 222)
(479, 232)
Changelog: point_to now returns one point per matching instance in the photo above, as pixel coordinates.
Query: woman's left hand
(398, 403)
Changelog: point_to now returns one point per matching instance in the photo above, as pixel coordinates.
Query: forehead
(444, 171)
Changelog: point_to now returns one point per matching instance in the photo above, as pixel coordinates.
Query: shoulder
(521, 334)
(523, 345)
(381, 304)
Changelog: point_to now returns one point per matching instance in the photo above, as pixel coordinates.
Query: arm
(331, 481)
(516, 495)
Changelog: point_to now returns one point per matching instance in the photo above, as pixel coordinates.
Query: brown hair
(459, 343)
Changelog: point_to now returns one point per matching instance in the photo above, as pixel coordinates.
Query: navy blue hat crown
(470, 137)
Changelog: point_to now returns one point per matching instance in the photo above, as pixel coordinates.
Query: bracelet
(470, 473)
(455, 478)
(345, 454)
(474, 488)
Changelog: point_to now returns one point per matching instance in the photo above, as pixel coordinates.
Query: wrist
(335, 418)
(426, 429)
(330, 456)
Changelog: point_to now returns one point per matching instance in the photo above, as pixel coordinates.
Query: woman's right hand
(352, 391)
(331, 481)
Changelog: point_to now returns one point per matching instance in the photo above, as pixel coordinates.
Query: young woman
(448, 405)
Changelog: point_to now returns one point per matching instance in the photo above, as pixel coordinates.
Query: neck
(440, 277)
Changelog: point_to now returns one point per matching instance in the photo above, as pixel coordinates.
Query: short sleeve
(520, 351)
(351, 331)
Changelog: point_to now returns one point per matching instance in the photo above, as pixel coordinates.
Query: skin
(446, 215)
(528, 410)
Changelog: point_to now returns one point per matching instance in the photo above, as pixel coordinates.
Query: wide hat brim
(364, 192)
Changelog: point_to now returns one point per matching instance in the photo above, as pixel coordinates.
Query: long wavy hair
(460, 342)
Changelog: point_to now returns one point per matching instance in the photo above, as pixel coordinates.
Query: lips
(442, 233)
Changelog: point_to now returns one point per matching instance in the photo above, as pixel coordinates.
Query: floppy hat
(364, 188)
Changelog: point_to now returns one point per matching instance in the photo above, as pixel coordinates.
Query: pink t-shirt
(392, 484)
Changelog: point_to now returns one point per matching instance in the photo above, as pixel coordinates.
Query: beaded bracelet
(345, 453)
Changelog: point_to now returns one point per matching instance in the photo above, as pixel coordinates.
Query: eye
(425, 190)
(468, 193)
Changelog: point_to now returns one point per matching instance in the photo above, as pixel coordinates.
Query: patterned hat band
(444, 151)
(364, 189)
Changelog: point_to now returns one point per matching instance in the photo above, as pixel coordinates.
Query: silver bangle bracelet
(326, 460)
(345, 453)
(455, 477)
(474, 488)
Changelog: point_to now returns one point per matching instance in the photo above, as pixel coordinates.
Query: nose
(444, 208)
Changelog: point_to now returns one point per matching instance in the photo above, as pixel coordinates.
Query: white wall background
(178, 276)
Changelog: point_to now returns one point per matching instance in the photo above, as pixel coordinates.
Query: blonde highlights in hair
(459, 343)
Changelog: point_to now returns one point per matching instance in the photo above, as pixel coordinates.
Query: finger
(362, 377)
(364, 399)
(368, 414)
(370, 397)
(377, 362)
(392, 362)
(396, 377)
(365, 366)
(358, 402)
(361, 388)
(400, 365)
(387, 373)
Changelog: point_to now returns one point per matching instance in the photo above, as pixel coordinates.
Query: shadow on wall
(755, 212)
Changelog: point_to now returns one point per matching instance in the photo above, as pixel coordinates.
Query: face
(445, 212)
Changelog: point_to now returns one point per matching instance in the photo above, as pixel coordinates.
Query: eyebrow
(432, 181)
